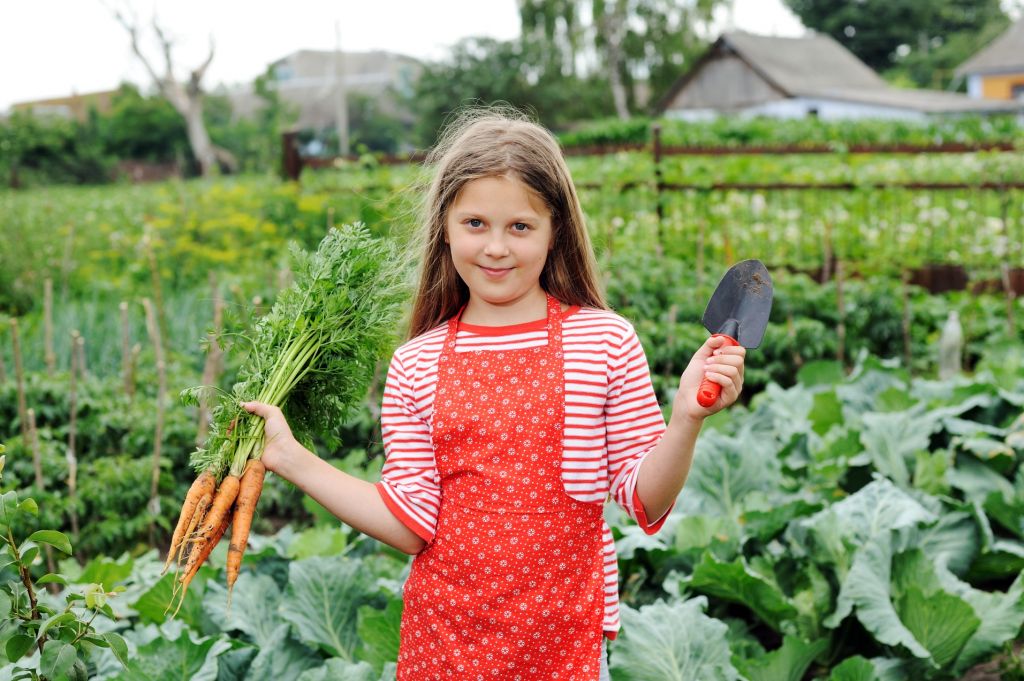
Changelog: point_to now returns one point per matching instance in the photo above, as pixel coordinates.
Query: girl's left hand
(723, 365)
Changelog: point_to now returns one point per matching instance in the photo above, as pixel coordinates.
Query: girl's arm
(664, 470)
(355, 502)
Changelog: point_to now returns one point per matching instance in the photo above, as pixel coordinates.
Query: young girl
(519, 405)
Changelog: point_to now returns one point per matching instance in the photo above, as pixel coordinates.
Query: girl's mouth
(495, 273)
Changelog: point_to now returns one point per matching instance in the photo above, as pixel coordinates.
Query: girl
(519, 405)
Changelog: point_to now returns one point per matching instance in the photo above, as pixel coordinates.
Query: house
(997, 71)
(309, 80)
(75, 106)
(755, 75)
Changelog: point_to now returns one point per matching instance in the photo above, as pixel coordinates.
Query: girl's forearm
(355, 502)
(663, 472)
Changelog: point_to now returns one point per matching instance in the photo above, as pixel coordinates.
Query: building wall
(1002, 86)
(799, 107)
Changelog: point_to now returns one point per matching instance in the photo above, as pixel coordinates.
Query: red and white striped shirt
(612, 420)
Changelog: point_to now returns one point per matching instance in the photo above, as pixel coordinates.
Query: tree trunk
(613, 26)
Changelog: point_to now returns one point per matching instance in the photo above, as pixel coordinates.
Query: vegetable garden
(855, 518)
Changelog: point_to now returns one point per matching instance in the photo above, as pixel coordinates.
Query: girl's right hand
(277, 435)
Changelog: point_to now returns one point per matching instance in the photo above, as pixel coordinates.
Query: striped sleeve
(634, 424)
(409, 485)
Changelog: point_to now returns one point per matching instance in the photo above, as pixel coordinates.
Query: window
(1017, 90)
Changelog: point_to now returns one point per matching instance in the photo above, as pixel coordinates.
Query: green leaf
(930, 471)
(672, 642)
(733, 582)
(52, 578)
(29, 506)
(57, 540)
(180, 659)
(892, 440)
(323, 599)
(378, 632)
(18, 645)
(118, 646)
(821, 372)
(254, 608)
(826, 412)
(285, 659)
(106, 571)
(854, 668)
(940, 621)
(57, 659)
(1002, 616)
(867, 590)
(152, 605)
(8, 507)
(55, 621)
(765, 525)
(341, 670)
(321, 540)
(788, 663)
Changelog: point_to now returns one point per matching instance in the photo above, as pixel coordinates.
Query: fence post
(658, 184)
(291, 162)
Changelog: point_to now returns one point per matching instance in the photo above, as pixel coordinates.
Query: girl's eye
(520, 227)
(473, 222)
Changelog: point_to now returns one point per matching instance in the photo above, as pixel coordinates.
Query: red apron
(512, 586)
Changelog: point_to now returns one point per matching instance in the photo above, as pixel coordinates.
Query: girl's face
(500, 233)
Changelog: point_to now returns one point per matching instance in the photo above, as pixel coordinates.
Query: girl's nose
(496, 246)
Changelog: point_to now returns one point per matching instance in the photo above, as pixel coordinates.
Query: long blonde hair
(494, 142)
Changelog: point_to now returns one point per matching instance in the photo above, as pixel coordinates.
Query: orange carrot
(203, 485)
(222, 502)
(186, 544)
(198, 557)
(245, 506)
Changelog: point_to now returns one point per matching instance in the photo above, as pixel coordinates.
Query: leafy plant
(48, 641)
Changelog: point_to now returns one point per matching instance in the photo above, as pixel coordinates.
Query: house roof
(802, 65)
(817, 66)
(1004, 54)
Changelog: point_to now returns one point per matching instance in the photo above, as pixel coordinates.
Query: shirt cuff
(406, 519)
(641, 515)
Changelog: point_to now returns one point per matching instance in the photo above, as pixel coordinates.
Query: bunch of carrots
(313, 355)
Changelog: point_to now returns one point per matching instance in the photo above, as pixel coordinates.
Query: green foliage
(316, 350)
(144, 128)
(933, 34)
(45, 638)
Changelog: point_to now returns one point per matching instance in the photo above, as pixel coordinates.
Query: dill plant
(314, 353)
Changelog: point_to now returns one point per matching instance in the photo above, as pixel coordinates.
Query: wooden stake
(50, 357)
(1011, 296)
(72, 456)
(3, 368)
(670, 339)
(161, 371)
(126, 356)
(906, 324)
(841, 326)
(19, 376)
(37, 464)
(80, 349)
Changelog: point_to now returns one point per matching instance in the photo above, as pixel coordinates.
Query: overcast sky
(52, 48)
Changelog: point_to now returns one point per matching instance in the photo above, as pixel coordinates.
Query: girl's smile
(499, 233)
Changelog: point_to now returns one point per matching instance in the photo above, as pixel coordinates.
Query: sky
(53, 48)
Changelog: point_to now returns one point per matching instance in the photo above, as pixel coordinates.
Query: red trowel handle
(708, 392)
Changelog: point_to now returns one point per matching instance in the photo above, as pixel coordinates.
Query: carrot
(222, 502)
(198, 557)
(201, 509)
(203, 485)
(245, 506)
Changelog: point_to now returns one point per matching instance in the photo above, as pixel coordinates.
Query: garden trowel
(738, 311)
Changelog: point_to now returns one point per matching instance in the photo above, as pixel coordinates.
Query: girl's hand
(277, 435)
(720, 363)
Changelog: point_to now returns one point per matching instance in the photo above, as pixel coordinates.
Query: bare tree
(186, 97)
(612, 27)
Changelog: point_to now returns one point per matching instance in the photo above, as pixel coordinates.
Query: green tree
(624, 43)
(143, 128)
(920, 40)
(486, 71)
